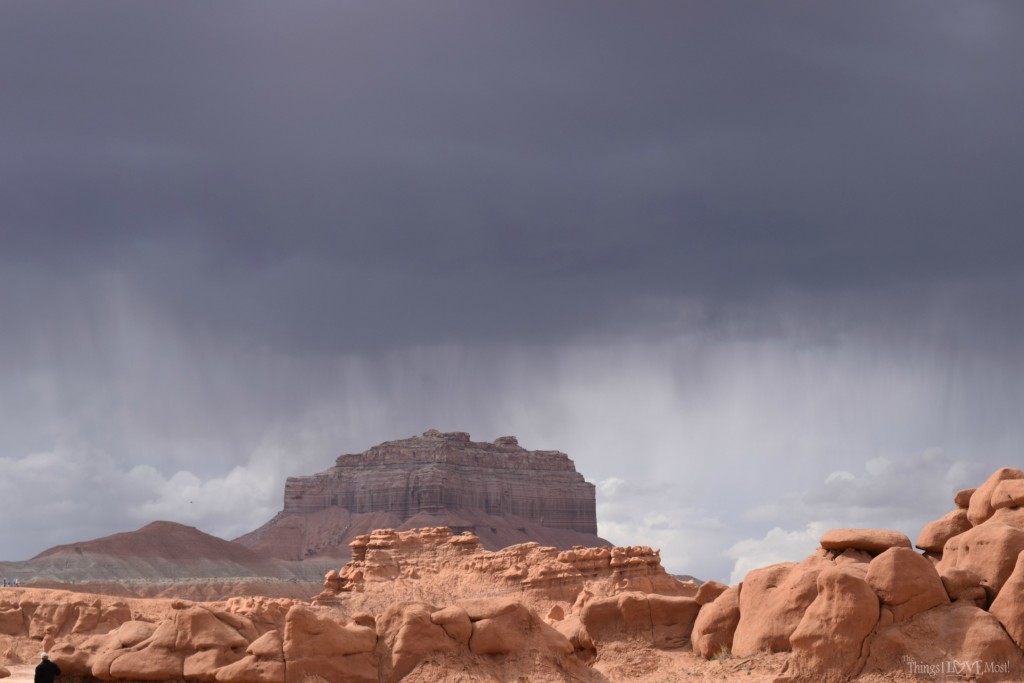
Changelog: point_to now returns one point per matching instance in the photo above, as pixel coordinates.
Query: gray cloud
(778, 241)
(537, 176)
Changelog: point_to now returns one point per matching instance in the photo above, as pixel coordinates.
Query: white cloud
(696, 442)
(876, 466)
(841, 475)
(644, 514)
(778, 545)
(76, 493)
(902, 494)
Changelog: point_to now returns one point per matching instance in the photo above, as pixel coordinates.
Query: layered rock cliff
(499, 491)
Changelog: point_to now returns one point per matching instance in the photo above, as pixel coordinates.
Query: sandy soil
(20, 673)
(619, 664)
(623, 662)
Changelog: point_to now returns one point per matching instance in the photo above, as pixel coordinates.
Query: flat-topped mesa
(456, 448)
(441, 472)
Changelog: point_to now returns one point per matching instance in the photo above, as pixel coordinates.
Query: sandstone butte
(501, 492)
(432, 605)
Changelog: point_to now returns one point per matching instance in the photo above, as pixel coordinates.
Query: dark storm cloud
(745, 247)
(329, 176)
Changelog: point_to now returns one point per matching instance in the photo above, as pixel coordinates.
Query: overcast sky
(756, 267)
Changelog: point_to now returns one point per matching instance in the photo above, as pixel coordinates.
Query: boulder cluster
(867, 602)
(259, 640)
(421, 604)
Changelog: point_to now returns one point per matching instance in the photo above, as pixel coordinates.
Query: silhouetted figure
(46, 670)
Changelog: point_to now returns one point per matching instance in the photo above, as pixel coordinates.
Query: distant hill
(160, 553)
(159, 541)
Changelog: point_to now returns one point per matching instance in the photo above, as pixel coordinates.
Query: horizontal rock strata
(499, 491)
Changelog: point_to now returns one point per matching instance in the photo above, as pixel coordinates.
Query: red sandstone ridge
(501, 492)
(435, 564)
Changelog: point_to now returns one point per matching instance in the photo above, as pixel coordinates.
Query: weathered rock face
(500, 491)
(256, 640)
(980, 507)
(934, 536)
(874, 541)
(905, 582)
(438, 472)
(989, 550)
(434, 565)
(957, 639)
(715, 626)
(828, 644)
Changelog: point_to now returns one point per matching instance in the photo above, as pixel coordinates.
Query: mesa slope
(164, 558)
(500, 492)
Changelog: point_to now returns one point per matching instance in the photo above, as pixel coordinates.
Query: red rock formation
(316, 644)
(278, 641)
(829, 643)
(955, 642)
(989, 551)
(873, 541)
(881, 608)
(964, 586)
(660, 620)
(773, 601)
(434, 563)
(501, 492)
(962, 499)
(980, 507)
(905, 582)
(428, 605)
(263, 662)
(1008, 606)
(715, 626)
(935, 534)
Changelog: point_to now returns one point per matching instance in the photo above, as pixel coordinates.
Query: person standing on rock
(46, 670)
